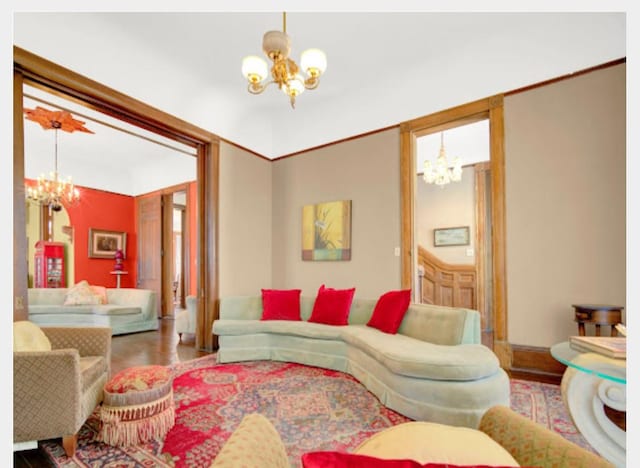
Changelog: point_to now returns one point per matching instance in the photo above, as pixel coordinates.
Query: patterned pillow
(81, 294)
(100, 291)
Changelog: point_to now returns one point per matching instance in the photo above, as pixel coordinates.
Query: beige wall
(565, 201)
(245, 222)
(452, 205)
(365, 170)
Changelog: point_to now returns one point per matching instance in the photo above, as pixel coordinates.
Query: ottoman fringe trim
(134, 425)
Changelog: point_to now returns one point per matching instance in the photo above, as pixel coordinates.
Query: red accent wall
(103, 210)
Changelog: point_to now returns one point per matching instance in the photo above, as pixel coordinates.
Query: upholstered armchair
(58, 379)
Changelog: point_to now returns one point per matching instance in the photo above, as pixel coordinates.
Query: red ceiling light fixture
(53, 190)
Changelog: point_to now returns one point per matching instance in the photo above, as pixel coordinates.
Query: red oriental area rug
(312, 409)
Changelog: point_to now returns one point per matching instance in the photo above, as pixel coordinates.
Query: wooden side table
(599, 315)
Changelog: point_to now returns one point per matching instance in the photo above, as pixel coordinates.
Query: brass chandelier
(53, 190)
(284, 72)
(441, 173)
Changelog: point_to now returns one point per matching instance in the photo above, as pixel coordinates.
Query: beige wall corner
(364, 170)
(565, 202)
(245, 222)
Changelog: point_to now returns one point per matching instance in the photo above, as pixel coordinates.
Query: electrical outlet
(470, 252)
(396, 251)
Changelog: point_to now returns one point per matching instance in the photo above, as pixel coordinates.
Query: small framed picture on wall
(103, 244)
(451, 236)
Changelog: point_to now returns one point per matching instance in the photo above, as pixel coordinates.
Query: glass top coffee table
(594, 388)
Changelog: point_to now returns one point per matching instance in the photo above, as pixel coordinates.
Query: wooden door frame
(41, 73)
(489, 108)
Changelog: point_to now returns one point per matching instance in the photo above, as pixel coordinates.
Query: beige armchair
(56, 390)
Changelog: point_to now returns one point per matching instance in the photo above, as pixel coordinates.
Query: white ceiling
(383, 67)
(110, 159)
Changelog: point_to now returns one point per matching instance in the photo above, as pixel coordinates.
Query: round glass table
(593, 388)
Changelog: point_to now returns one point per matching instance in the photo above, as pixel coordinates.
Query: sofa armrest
(43, 382)
(534, 445)
(254, 444)
(88, 341)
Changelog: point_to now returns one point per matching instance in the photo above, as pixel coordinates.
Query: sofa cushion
(27, 336)
(436, 443)
(111, 309)
(414, 358)
(281, 304)
(332, 306)
(81, 294)
(54, 309)
(278, 327)
(389, 311)
(92, 367)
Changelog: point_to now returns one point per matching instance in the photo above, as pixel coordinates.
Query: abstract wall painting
(326, 231)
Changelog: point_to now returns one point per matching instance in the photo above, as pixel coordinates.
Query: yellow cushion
(27, 336)
(436, 443)
(82, 294)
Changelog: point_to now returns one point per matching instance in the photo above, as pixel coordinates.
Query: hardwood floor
(136, 349)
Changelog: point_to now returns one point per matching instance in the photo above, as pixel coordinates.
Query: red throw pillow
(352, 460)
(389, 311)
(281, 304)
(332, 306)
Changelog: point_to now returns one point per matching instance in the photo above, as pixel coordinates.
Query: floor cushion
(138, 406)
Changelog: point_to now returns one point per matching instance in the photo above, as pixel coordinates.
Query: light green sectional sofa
(433, 369)
(127, 310)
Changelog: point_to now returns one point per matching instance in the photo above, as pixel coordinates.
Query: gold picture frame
(103, 243)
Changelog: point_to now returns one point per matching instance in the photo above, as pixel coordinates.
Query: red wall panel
(109, 211)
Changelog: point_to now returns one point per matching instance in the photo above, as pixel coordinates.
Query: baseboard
(28, 445)
(535, 363)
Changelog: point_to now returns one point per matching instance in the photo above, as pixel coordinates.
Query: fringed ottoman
(137, 406)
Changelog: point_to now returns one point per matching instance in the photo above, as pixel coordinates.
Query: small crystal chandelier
(441, 174)
(284, 71)
(53, 190)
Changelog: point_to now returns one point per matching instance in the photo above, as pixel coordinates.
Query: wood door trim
(480, 187)
(166, 204)
(491, 108)
(45, 74)
(20, 269)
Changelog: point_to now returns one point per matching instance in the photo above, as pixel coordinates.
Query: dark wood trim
(501, 345)
(61, 81)
(208, 186)
(535, 363)
(353, 137)
(20, 269)
(613, 63)
(166, 306)
(243, 148)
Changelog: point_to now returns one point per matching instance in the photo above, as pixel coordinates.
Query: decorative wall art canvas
(326, 231)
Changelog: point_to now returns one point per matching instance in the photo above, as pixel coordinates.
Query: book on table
(610, 346)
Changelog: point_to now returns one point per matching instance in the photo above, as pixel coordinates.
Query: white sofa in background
(433, 369)
(127, 310)
(186, 318)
